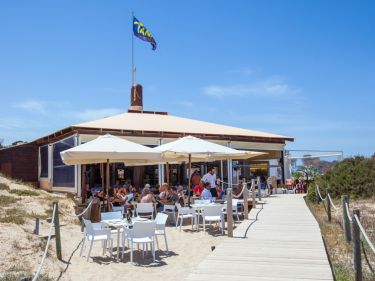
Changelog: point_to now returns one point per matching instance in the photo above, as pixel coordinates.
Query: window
(43, 150)
(63, 175)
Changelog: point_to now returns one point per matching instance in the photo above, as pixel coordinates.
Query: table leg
(118, 243)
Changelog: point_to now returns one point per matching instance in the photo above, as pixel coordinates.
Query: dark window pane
(44, 161)
(63, 175)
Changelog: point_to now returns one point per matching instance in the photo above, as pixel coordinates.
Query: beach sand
(21, 250)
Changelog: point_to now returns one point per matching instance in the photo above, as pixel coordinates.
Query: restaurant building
(39, 161)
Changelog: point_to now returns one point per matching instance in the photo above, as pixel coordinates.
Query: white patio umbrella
(201, 150)
(108, 148)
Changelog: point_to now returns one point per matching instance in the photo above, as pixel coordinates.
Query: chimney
(136, 98)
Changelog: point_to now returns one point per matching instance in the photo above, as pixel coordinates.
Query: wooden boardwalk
(283, 244)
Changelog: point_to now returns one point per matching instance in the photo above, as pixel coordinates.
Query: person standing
(210, 177)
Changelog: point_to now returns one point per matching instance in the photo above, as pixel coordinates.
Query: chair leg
(204, 225)
(153, 251)
(131, 251)
(157, 242)
(110, 250)
(182, 219)
(143, 251)
(165, 238)
(83, 244)
(192, 222)
(89, 252)
(177, 221)
(104, 246)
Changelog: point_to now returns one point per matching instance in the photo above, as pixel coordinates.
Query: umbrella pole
(107, 184)
(189, 179)
(167, 170)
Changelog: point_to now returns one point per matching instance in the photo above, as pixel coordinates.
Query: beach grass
(4, 186)
(24, 192)
(7, 200)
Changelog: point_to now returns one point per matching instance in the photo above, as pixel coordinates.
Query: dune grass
(24, 192)
(4, 186)
(7, 200)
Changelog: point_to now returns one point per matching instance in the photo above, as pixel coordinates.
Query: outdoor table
(119, 224)
(198, 208)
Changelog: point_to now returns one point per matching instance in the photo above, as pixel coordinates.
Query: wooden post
(259, 191)
(345, 218)
(317, 195)
(254, 203)
(57, 231)
(229, 212)
(36, 230)
(245, 203)
(328, 192)
(357, 247)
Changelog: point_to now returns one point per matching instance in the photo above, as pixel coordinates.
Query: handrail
(66, 214)
(47, 245)
(330, 199)
(364, 233)
(320, 195)
(347, 211)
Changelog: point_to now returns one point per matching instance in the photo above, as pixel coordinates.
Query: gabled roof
(150, 122)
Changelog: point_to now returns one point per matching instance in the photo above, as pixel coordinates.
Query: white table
(198, 208)
(120, 224)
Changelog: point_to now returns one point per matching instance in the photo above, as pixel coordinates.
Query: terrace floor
(281, 241)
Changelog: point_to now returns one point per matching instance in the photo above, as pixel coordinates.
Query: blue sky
(300, 68)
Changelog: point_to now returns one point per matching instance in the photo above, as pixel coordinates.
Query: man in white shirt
(206, 194)
(210, 177)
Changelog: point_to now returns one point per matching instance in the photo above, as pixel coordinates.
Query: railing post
(259, 192)
(245, 203)
(357, 247)
(254, 201)
(57, 231)
(37, 223)
(345, 218)
(328, 192)
(229, 212)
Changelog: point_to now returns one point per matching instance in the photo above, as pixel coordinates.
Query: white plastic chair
(211, 214)
(170, 209)
(185, 212)
(117, 208)
(145, 210)
(116, 215)
(234, 208)
(93, 234)
(141, 233)
(160, 221)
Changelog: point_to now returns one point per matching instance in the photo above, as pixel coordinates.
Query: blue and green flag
(142, 33)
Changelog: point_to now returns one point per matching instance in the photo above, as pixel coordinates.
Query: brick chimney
(136, 98)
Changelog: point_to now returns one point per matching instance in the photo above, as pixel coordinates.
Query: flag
(142, 33)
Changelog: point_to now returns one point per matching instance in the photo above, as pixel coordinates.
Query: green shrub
(24, 192)
(311, 192)
(353, 176)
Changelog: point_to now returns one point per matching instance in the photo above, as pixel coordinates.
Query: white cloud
(32, 105)
(92, 114)
(264, 88)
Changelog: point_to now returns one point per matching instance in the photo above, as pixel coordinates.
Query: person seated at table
(180, 191)
(164, 193)
(173, 196)
(147, 196)
(113, 197)
(219, 192)
(198, 189)
(206, 193)
(101, 195)
(122, 195)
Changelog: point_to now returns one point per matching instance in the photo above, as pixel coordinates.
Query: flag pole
(133, 72)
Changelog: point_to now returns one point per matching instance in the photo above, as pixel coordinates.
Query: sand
(21, 250)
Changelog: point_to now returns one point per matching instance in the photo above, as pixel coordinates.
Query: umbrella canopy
(192, 148)
(109, 148)
(201, 150)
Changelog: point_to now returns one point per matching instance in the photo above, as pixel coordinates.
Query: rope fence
(79, 215)
(47, 245)
(353, 230)
(364, 233)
